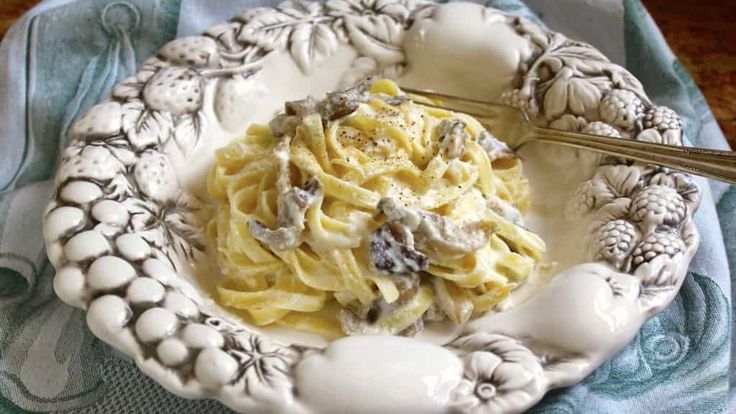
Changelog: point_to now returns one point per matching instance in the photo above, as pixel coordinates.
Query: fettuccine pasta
(368, 212)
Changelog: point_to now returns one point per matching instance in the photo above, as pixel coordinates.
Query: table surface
(701, 33)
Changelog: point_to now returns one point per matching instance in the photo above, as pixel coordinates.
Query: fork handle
(720, 165)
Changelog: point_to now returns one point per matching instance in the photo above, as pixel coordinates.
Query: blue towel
(65, 55)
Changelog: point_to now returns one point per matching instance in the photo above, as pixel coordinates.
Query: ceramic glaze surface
(125, 229)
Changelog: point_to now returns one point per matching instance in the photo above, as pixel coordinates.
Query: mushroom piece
(452, 138)
(495, 148)
(295, 201)
(443, 237)
(292, 206)
(436, 235)
(302, 107)
(392, 251)
(344, 102)
(286, 124)
(335, 105)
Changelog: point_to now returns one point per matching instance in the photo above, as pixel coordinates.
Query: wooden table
(701, 33)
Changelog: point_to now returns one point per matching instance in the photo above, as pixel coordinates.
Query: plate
(125, 228)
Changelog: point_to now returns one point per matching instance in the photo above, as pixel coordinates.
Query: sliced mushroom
(392, 251)
(344, 102)
(442, 237)
(335, 105)
(282, 238)
(292, 205)
(452, 137)
(302, 107)
(496, 149)
(286, 124)
(436, 235)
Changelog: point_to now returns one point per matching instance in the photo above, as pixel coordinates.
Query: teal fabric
(65, 55)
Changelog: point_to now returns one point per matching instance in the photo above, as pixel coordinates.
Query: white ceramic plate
(124, 230)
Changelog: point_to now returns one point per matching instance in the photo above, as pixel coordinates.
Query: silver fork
(512, 126)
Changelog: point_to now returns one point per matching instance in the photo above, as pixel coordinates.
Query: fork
(512, 125)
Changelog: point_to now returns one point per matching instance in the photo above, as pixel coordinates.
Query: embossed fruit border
(119, 221)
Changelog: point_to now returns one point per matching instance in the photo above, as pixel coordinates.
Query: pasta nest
(368, 212)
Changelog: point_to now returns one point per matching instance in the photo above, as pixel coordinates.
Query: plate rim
(95, 222)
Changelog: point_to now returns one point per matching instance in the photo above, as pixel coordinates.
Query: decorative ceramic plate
(125, 229)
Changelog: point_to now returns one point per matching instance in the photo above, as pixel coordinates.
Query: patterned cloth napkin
(65, 55)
